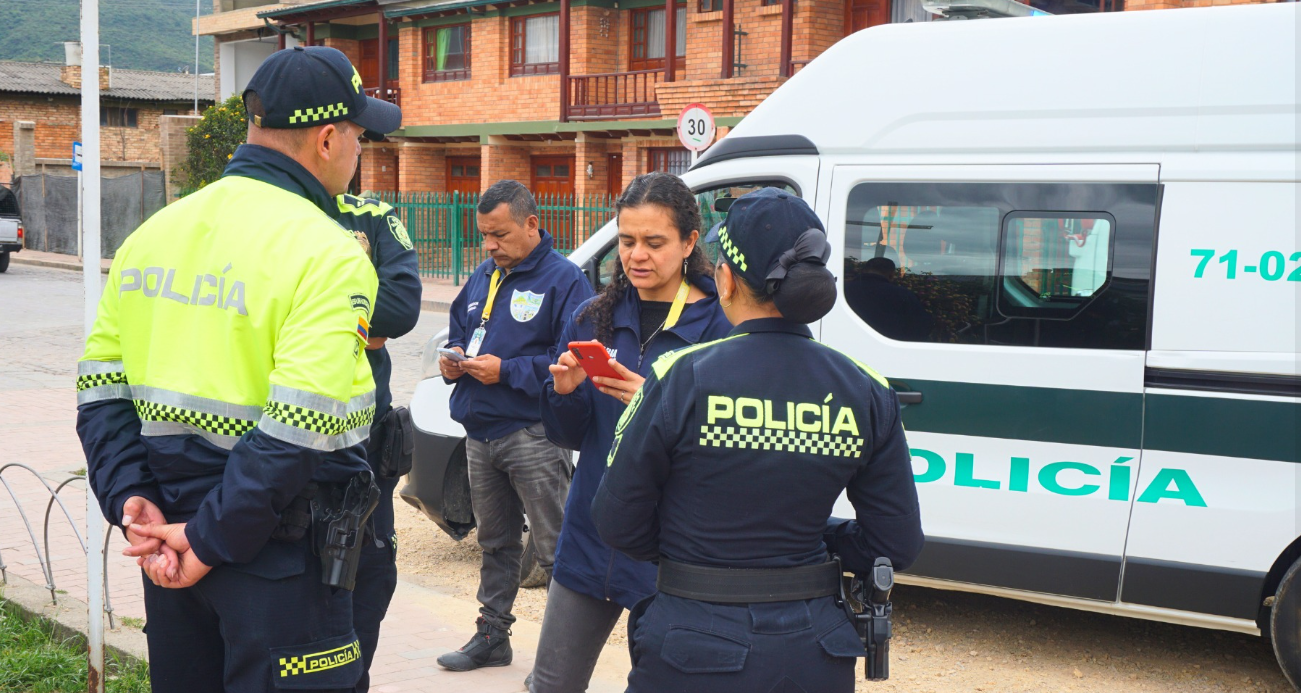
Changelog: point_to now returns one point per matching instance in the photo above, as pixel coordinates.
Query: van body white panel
(1228, 273)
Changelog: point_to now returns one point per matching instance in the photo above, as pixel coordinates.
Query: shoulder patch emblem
(399, 231)
(524, 305)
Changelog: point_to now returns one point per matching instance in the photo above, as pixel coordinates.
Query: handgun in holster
(340, 514)
(866, 601)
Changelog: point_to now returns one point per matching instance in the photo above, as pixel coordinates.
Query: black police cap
(765, 233)
(315, 85)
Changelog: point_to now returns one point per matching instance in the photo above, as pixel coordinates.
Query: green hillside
(137, 34)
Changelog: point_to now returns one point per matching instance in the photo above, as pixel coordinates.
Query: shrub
(211, 143)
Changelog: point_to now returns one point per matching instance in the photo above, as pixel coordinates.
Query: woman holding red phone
(662, 297)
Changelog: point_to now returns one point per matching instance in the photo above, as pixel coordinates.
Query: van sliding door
(1008, 305)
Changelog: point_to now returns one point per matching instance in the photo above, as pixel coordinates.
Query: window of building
(673, 160)
(535, 45)
(646, 51)
(959, 263)
(115, 117)
(447, 53)
(711, 6)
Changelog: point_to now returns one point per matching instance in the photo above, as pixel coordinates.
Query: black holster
(396, 446)
(340, 519)
(867, 604)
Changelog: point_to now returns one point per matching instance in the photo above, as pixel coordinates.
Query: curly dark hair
(669, 192)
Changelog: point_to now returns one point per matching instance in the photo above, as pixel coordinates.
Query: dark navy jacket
(584, 420)
(397, 305)
(733, 453)
(533, 302)
(178, 472)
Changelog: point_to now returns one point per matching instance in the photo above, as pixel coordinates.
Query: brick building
(569, 96)
(131, 106)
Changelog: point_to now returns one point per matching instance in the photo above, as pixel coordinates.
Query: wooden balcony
(393, 94)
(612, 95)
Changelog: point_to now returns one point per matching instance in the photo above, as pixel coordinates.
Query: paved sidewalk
(41, 337)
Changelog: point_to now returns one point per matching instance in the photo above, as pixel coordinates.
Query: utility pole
(90, 244)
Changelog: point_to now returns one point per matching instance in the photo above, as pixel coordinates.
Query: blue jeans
(521, 473)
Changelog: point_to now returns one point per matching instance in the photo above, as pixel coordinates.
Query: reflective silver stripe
(361, 402)
(301, 436)
(195, 403)
(172, 428)
(311, 400)
(96, 367)
(102, 392)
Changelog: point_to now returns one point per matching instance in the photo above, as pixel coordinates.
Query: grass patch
(80, 472)
(133, 622)
(34, 659)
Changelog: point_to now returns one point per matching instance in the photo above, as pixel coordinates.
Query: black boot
(490, 647)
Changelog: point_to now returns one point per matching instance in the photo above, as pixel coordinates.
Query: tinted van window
(1016, 264)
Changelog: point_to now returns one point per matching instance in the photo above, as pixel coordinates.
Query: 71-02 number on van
(1270, 267)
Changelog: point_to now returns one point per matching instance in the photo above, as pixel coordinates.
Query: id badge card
(476, 340)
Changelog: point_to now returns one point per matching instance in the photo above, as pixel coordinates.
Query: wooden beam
(564, 60)
(729, 39)
(311, 33)
(671, 37)
(383, 57)
(788, 24)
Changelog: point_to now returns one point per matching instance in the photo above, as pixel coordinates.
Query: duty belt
(748, 585)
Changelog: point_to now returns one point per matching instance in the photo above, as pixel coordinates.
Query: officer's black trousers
(268, 625)
(377, 577)
(683, 646)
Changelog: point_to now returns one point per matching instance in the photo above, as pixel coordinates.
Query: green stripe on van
(1221, 426)
(1251, 429)
(1051, 415)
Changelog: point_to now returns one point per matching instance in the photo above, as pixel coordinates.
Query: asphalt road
(944, 641)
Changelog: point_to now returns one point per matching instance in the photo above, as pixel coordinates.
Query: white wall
(239, 60)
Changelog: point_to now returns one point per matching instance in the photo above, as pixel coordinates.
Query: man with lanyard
(223, 391)
(505, 323)
(397, 309)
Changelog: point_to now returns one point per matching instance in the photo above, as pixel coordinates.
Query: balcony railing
(393, 94)
(613, 95)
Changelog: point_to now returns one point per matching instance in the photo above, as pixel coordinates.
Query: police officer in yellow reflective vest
(397, 309)
(224, 399)
(726, 464)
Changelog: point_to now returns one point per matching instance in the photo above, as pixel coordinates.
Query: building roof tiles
(136, 85)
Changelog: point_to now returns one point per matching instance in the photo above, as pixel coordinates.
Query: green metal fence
(442, 226)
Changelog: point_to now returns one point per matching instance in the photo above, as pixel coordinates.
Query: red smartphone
(594, 359)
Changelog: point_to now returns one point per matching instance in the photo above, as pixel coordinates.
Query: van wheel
(4, 261)
(1285, 625)
(530, 573)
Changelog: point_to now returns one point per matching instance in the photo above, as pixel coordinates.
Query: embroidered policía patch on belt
(333, 663)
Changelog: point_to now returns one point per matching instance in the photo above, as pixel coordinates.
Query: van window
(971, 263)
(1052, 266)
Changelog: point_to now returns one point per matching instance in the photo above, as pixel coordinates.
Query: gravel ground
(944, 641)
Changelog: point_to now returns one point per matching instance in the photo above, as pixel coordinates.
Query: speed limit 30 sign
(696, 127)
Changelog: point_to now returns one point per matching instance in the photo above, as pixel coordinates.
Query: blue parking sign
(76, 156)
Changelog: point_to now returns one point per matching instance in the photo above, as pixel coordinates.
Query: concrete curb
(18, 259)
(436, 306)
(69, 618)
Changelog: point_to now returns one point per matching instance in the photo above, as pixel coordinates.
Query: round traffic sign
(696, 127)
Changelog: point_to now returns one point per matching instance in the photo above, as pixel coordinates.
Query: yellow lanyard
(492, 296)
(679, 301)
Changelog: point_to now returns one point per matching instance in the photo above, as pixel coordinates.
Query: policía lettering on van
(1064, 478)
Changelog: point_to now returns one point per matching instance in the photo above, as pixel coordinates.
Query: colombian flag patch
(363, 328)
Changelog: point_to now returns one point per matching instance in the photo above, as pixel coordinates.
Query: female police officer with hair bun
(725, 467)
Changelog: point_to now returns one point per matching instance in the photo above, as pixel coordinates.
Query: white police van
(1092, 227)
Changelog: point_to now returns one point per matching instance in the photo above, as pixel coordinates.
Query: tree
(211, 144)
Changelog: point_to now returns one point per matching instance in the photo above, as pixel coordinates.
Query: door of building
(553, 184)
(861, 14)
(614, 173)
(463, 174)
(369, 68)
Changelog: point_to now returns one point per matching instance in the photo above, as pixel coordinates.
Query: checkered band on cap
(729, 247)
(312, 115)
